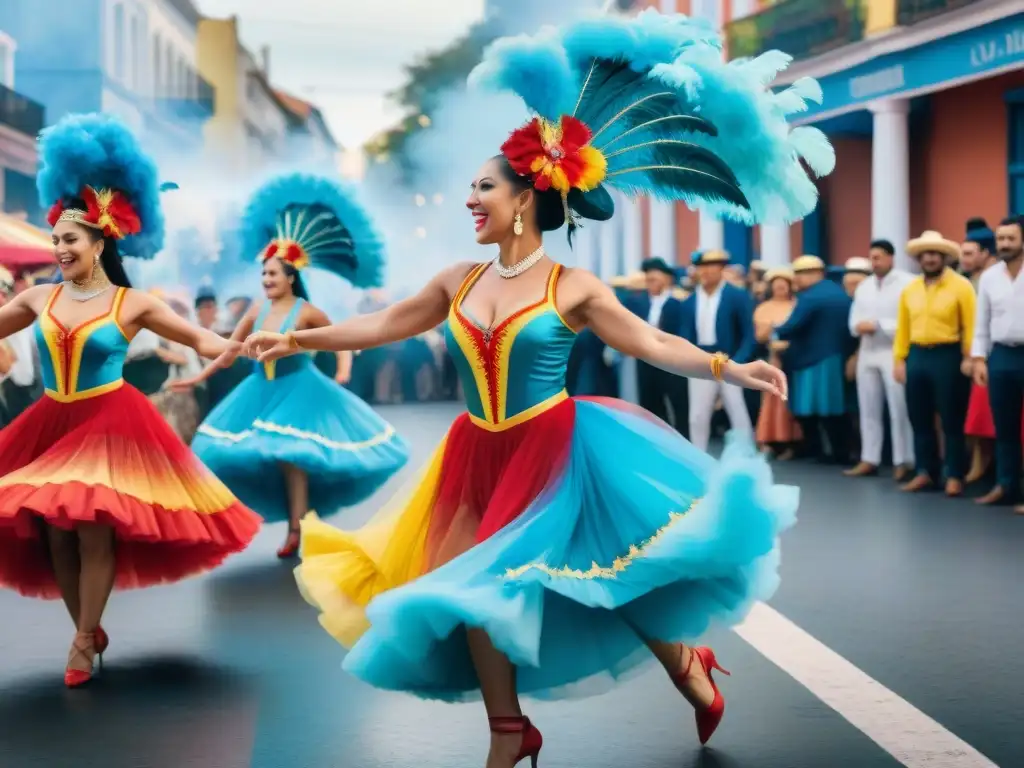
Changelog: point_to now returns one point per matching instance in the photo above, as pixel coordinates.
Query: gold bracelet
(293, 343)
(718, 362)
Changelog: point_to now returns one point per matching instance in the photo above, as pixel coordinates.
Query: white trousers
(876, 386)
(703, 394)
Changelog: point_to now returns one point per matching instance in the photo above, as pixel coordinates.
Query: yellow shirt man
(938, 313)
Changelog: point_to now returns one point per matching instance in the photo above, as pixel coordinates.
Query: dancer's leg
(297, 487)
(497, 678)
(67, 567)
(96, 550)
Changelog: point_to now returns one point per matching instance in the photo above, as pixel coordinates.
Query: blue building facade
(108, 55)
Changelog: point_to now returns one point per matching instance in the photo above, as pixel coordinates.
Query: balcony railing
(801, 28)
(197, 105)
(20, 113)
(912, 11)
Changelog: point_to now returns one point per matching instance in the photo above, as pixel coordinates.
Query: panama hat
(808, 264)
(715, 256)
(784, 273)
(858, 264)
(634, 281)
(931, 240)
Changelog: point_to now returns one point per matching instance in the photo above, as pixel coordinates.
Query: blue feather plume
(100, 151)
(325, 218)
(672, 118)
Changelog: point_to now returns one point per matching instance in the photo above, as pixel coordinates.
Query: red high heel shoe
(532, 738)
(76, 678)
(708, 718)
(102, 642)
(291, 545)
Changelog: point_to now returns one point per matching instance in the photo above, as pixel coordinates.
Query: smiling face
(77, 250)
(494, 200)
(276, 284)
(782, 290)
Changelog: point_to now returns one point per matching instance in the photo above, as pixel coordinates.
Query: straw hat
(634, 281)
(808, 264)
(858, 264)
(931, 240)
(715, 256)
(785, 273)
(757, 266)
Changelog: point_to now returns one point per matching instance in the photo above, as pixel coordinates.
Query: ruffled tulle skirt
(306, 420)
(567, 538)
(113, 461)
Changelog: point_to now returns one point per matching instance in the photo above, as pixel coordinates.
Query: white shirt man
(873, 320)
(705, 304)
(998, 354)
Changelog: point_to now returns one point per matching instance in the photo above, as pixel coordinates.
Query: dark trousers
(935, 384)
(836, 431)
(1006, 395)
(657, 389)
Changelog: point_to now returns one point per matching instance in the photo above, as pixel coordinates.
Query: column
(609, 248)
(890, 176)
(711, 235)
(632, 233)
(775, 245)
(663, 230)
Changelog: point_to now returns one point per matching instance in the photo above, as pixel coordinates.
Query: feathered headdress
(96, 159)
(309, 220)
(647, 105)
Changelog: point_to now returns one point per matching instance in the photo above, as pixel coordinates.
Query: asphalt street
(919, 595)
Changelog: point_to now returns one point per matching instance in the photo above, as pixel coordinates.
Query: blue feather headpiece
(646, 105)
(312, 221)
(96, 158)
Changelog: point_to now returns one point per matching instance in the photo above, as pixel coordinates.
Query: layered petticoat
(304, 419)
(566, 538)
(111, 460)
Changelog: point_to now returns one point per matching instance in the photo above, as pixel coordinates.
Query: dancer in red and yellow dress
(96, 490)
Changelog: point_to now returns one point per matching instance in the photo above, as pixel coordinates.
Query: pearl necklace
(520, 266)
(77, 294)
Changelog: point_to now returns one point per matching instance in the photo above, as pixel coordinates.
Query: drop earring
(518, 226)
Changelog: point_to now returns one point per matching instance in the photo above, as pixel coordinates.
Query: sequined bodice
(84, 361)
(275, 369)
(517, 367)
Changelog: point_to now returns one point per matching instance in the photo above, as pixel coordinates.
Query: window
(709, 10)
(157, 66)
(119, 42)
(1015, 104)
(6, 61)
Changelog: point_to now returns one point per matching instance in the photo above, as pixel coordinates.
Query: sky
(346, 55)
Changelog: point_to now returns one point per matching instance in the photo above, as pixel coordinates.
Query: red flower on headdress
(105, 209)
(288, 251)
(557, 155)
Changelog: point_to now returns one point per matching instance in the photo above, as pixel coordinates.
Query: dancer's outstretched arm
(21, 311)
(596, 306)
(402, 320)
(157, 316)
(243, 329)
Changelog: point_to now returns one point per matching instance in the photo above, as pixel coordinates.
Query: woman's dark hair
(298, 287)
(550, 212)
(110, 259)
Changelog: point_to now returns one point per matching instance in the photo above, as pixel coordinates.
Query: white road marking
(894, 724)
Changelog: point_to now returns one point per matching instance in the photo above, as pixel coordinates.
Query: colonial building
(21, 119)
(131, 58)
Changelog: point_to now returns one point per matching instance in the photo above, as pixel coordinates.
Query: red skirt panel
(111, 460)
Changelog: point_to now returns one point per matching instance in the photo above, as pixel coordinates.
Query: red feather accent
(550, 154)
(271, 251)
(55, 211)
(294, 254)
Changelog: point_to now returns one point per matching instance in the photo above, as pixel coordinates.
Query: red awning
(23, 246)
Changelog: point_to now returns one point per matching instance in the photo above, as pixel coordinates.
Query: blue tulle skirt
(819, 390)
(635, 533)
(304, 419)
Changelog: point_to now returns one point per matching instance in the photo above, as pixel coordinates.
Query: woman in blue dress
(554, 540)
(288, 439)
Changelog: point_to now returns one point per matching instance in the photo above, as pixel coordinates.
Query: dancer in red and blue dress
(96, 490)
(555, 541)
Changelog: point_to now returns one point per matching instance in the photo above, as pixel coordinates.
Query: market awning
(23, 245)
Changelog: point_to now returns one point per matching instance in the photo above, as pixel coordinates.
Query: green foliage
(427, 80)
